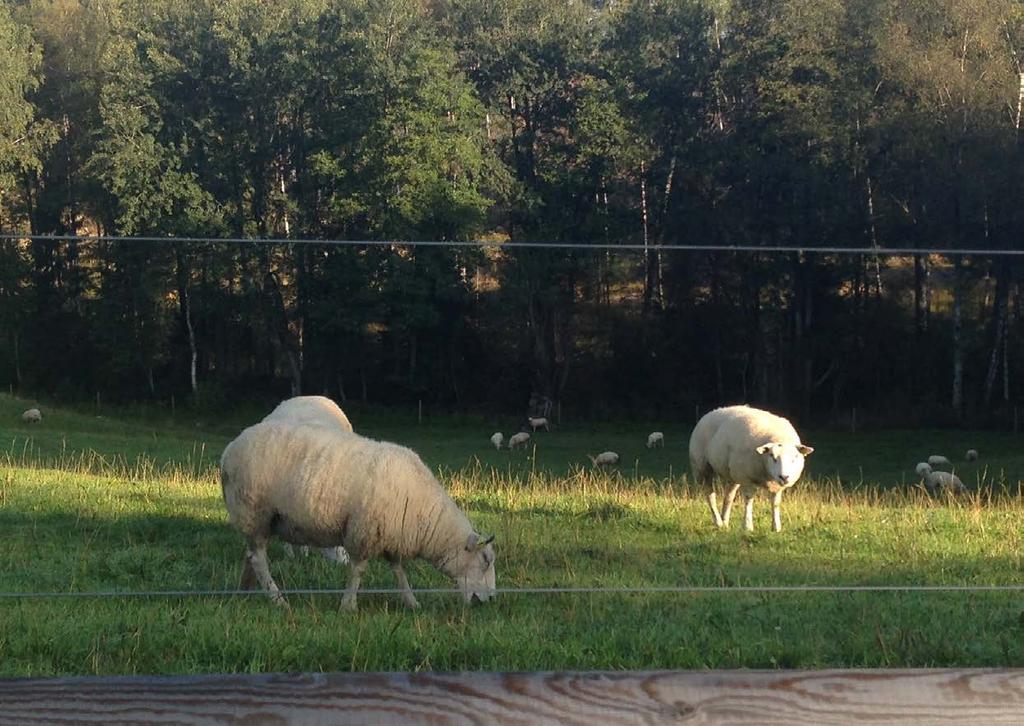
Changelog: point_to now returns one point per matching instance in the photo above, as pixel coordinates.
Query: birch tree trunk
(958, 347)
(998, 328)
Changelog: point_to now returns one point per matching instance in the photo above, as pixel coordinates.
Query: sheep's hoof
(279, 601)
(412, 603)
(348, 603)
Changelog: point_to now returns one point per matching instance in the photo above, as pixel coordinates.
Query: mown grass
(99, 504)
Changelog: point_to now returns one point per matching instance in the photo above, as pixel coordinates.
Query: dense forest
(840, 123)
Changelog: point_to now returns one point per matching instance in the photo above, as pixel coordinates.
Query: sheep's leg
(348, 601)
(776, 509)
(748, 514)
(730, 497)
(713, 503)
(248, 579)
(403, 583)
(257, 557)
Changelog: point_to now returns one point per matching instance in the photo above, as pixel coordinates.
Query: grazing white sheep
(313, 411)
(605, 458)
(943, 482)
(748, 449)
(936, 460)
(32, 415)
(517, 440)
(315, 485)
(971, 455)
(655, 438)
(923, 469)
(497, 438)
(537, 423)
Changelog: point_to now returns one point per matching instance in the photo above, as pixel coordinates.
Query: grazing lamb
(537, 423)
(936, 460)
(518, 440)
(943, 482)
(655, 438)
(605, 458)
(313, 411)
(314, 485)
(923, 469)
(33, 415)
(971, 455)
(497, 438)
(748, 449)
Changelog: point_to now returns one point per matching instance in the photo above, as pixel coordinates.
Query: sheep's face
(475, 568)
(784, 462)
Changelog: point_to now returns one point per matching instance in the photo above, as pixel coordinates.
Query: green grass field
(133, 503)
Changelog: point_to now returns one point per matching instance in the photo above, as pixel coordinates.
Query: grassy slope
(161, 526)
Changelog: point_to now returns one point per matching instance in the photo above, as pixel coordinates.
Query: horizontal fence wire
(665, 590)
(581, 245)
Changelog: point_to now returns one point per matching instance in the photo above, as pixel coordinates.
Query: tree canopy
(844, 123)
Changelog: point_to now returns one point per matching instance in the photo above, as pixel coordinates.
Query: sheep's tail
(224, 483)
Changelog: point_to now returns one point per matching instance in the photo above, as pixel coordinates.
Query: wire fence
(598, 590)
(480, 243)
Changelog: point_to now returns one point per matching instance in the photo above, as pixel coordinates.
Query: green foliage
(792, 123)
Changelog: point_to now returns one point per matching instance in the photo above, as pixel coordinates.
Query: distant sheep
(655, 438)
(334, 554)
(605, 458)
(518, 440)
(538, 423)
(923, 469)
(497, 438)
(317, 485)
(748, 449)
(943, 482)
(971, 455)
(936, 460)
(33, 415)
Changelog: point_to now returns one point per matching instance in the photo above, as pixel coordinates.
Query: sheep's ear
(805, 450)
(476, 542)
(763, 448)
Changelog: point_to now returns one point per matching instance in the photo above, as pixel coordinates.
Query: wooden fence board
(981, 697)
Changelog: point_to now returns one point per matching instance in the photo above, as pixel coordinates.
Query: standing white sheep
(748, 449)
(517, 440)
(313, 411)
(497, 438)
(936, 460)
(537, 423)
(605, 458)
(319, 486)
(32, 415)
(923, 469)
(971, 455)
(655, 438)
(310, 410)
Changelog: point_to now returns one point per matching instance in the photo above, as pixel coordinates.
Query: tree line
(841, 123)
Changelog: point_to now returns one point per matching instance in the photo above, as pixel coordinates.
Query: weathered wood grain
(976, 696)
